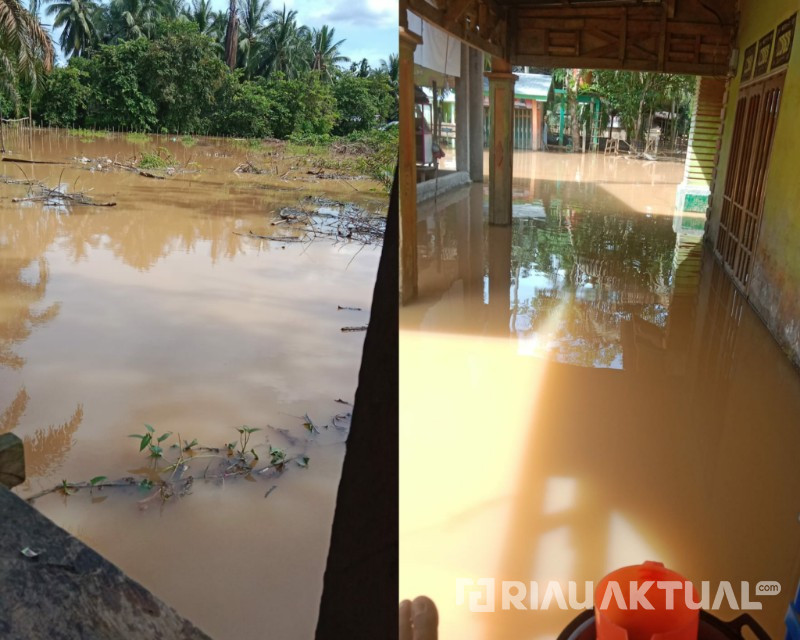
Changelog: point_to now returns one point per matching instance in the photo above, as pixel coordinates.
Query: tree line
(166, 66)
(635, 97)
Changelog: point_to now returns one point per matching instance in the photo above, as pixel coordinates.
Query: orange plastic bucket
(622, 598)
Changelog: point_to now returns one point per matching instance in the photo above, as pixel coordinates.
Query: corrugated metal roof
(529, 86)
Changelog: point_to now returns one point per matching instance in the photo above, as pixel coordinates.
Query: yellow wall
(775, 281)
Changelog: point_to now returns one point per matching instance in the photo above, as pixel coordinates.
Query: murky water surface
(162, 310)
(587, 391)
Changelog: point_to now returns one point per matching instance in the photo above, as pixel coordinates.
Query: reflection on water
(595, 393)
(161, 310)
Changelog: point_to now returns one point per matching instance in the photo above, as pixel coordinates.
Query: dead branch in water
(23, 161)
(250, 234)
(51, 196)
(135, 169)
(341, 222)
(361, 328)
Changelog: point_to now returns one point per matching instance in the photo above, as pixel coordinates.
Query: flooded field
(595, 393)
(171, 309)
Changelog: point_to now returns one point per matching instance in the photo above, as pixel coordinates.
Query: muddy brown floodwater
(160, 311)
(588, 390)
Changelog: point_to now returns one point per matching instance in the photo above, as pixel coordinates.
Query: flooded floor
(588, 390)
(165, 310)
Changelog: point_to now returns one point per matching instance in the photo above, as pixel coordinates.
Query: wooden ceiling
(673, 36)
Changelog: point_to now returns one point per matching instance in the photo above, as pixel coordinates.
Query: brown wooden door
(743, 199)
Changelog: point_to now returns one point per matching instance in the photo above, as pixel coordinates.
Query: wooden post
(12, 461)
(462, 112)
(408, 167)
(475, 114)
(536, 126)
(501, 143)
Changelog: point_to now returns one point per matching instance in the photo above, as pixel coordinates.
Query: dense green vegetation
(633, 96)
(164, 66)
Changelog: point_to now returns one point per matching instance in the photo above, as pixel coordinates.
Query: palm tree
(25, 50)
(202, 14)
(360, 69)
(326, 51)
(252, 27)
(232, 36)
(131, 19)
(219, 23)
(171, 9)
(76, 19)
(287, 47)
(391, 68)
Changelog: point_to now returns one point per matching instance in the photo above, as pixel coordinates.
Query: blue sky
(369, 27)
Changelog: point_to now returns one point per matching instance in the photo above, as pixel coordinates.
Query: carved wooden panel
(641, 38)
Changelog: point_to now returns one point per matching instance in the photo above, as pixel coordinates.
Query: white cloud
(367, 13)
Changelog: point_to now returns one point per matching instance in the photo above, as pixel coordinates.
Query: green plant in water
(172, 477)
(137, 138)
(188, 141)
(244, 437)
(161, 158)
(248, 143)
(277, 457)
(87, 135)
(150, 441)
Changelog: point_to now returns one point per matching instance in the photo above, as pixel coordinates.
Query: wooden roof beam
(480, 24)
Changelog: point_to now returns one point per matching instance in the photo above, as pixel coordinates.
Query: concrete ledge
(431, 188)
(70, 592)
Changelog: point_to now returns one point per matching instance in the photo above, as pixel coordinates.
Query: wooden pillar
(536, 126)
(408, 168)
(501, 140)
(462, 112)
(475, 114)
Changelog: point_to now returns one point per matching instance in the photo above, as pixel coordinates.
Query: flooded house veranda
(593, 392)
(226, 289)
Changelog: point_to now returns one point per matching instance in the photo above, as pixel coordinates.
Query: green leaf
(302, 462)
(145, 441)
(309, 424)
(135, 435)
(155, 451)
(251, 429)
(164, 436)
(255, 455)
(149, 428)
(97, 480)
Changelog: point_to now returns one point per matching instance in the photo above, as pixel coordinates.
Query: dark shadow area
(359, 598)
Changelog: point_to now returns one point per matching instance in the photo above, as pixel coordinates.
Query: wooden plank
(456, 9)
(436, 16)
(634, 11)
